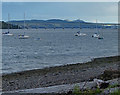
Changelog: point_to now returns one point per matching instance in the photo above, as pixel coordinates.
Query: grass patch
(117, 92)
(77, 91)
(113, 86)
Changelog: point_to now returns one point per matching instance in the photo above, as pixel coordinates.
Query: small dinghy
(80, 34)
(100, 38)
(23, 37)
(95, 35)
(7, 34)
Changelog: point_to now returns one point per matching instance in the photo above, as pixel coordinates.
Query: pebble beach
(67, 74)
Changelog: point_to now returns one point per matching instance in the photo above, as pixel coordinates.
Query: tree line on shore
(52, 23)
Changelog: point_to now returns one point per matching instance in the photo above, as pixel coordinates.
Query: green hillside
(4, 25)
(58, 23)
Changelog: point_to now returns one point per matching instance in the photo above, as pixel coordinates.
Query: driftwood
(101, 84)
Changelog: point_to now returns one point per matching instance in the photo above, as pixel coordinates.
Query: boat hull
(8, 34)
(81, 34)
(23, 37)
(95, 36)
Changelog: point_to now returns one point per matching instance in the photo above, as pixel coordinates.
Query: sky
(60, 0)
(87, 11)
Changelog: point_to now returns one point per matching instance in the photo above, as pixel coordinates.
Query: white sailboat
(79, 33)
(23, 36)
(38, 38)
(101, 36)
(8, 33)
(96, 35)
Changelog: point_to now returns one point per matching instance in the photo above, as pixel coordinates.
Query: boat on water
(100, 37)
(23, 36)
(80, 34)
(8, 33)
(97, 35)
(38, 38)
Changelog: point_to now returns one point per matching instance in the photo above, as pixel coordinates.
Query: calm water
(55, 47)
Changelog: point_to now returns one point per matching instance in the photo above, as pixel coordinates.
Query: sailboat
(101, 36)
(38, 38)
(95, 35)
(54, 27)
(8, 33)
(79, 33)
(23, 36)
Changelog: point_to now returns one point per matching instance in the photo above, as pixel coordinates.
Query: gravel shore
(59, 75)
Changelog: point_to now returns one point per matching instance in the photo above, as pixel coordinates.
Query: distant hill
(4, 25)
(56, 23)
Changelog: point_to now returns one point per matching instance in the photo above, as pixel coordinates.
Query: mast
(80, 25)
(54, 26)
(63, 26)
(102, 32)
(36, 26)
(96, 25)
(17, 26)
(8, 22)
(24, 23)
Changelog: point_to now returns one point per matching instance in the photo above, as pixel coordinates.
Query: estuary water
(54, 47)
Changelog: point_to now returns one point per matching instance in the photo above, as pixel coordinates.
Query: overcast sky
(60, 0)
(87, 11)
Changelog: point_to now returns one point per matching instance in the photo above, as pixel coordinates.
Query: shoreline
(67, 74)
(62, 66)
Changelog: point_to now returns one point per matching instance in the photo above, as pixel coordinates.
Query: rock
(67, 88)
(11, 83)
(114, 81)
(101, 84)
(104, 85)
